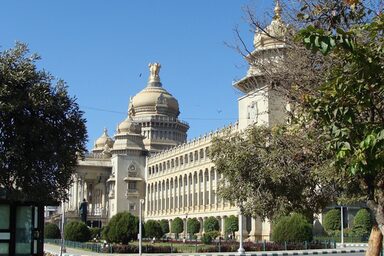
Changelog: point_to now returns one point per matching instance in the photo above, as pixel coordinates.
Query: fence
(93, 247)
(194, 246)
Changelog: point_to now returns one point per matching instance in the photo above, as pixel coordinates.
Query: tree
(164, 226)
(351, 108)
(193, 226)
(332, 221)
(77, 231)
(51, 231)
(231, 225)
(42, 130)
(274, 172)
(293, 228)
(122, 228)
(362, 223)
(153, 229)
(177, 226)
(211, 224)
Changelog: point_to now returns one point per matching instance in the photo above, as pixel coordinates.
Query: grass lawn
(181, 247)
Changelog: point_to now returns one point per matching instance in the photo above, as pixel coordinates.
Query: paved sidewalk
(55, 250)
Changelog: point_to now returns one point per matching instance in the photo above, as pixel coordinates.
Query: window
(132, 207)
(132, 186)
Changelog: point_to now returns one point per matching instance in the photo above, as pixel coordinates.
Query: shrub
(362, 223)
(211, 224)
(193, 226)
(51, 231)
(177, 226)
(206, 239)
(231, 225)
(153, 228)
(164, 226)
(122, 228)
(213, 234)
(293, 228)
(77, 231)
(331, 220)
(95, 233)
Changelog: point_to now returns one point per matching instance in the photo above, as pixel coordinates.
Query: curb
(285, 253)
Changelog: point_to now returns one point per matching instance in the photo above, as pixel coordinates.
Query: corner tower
(260, 105)
(157, 111)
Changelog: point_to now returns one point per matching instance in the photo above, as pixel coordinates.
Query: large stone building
(149, 156)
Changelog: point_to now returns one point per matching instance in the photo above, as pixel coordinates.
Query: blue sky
(100, 48)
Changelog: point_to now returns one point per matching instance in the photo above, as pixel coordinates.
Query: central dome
(154, 99)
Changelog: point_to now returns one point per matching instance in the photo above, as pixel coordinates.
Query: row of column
(253, 229)
(81, 190)
(188, 195)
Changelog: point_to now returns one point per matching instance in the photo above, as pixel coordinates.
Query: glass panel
(4, 213)
(23, 230)
(36, 217)
(5, 236)
(4, 249)
(34, 246)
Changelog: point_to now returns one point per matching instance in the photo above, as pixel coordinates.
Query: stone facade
(149, 158)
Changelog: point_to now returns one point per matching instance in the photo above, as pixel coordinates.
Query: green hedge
(362, 223)
(122, 228)
(293, 228)
(77, 231)
(51, 231)
(332, 221)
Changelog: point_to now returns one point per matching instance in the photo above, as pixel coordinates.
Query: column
(198, 190)
(174, 195)
(204, 189)
(147, 203)
(168, 196)
(105, 197)
(188, 191)
(216, 187)
(193, 192)
(210, 190)
(76, 198)
(222, 225)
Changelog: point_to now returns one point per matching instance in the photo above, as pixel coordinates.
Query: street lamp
(62, 246)
(140, 231)
(342, 225)
(185, 229)
(241, 249)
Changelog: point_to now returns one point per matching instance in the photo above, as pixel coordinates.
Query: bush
(164, 226)
(95, 233)
(213, 234)
(122, 228)
(206, 239)
(231, 225)
(153, 228)
(362, 223)
(331, 220)
(177, 226)
(193, 226)
(211, 224)
(77, 231)
(51, 231)
(293, 228)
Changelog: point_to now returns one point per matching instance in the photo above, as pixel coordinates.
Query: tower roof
(154, 99)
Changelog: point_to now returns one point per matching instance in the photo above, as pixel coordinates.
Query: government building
(149, 159)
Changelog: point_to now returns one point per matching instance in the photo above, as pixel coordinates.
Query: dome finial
(105, 131)
(154, 70)
(277, 11)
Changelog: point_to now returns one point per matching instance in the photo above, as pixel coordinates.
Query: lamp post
(140, 220)
(241, 249)
(342, 225)
(62, 247)
(185, 229)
